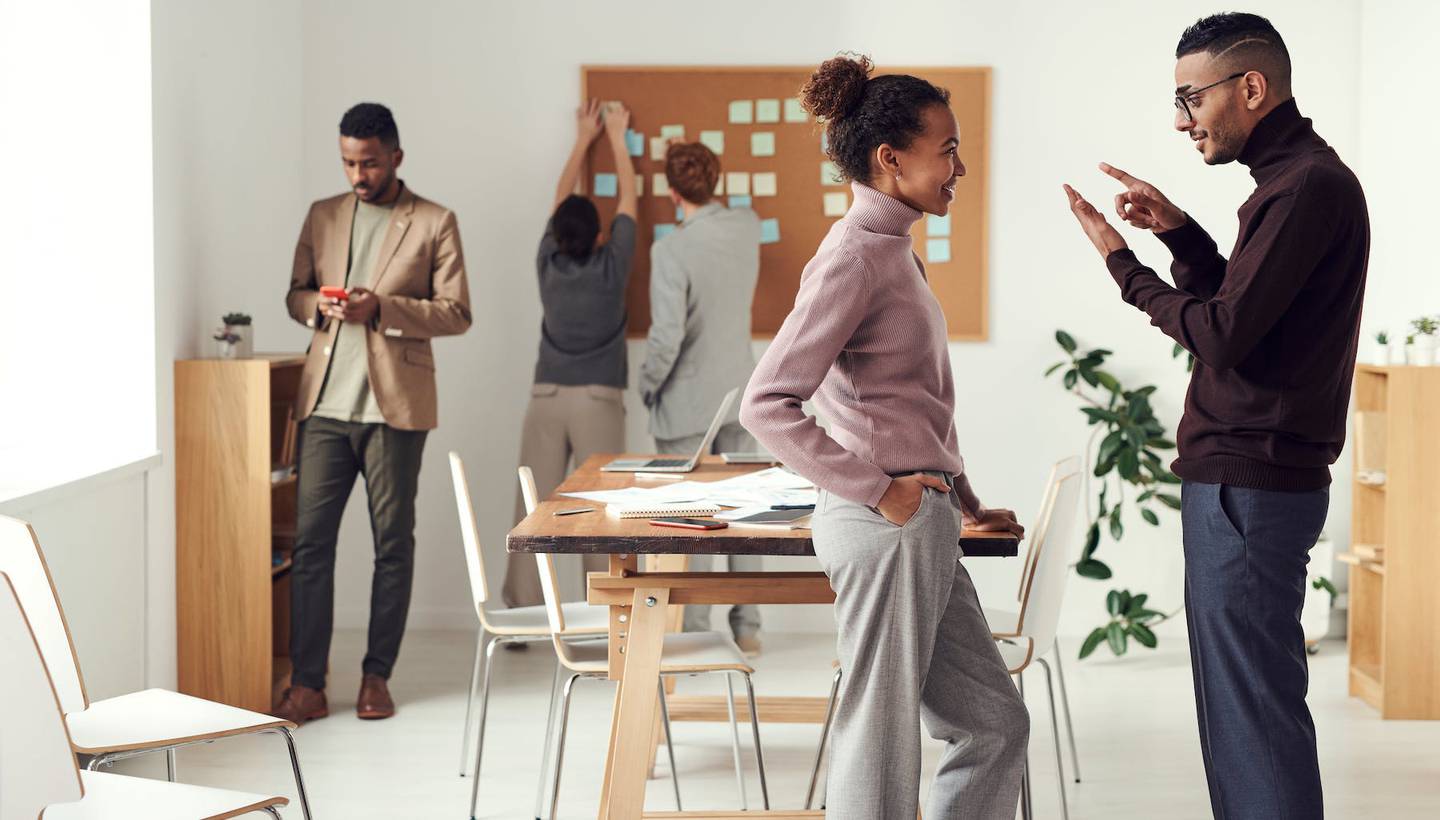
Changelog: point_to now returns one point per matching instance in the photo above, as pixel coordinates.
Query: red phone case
(332, 292)
(703, 525)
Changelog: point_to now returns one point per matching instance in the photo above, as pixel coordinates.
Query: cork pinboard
(699, 99)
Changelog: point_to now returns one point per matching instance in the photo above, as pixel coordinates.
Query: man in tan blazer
(367, 395)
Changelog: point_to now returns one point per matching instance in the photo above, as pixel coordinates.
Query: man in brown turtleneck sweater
(1273, 331)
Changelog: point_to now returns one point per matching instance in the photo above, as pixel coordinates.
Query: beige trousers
(563, 425)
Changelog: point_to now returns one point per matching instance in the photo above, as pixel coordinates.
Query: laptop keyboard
(667, 462)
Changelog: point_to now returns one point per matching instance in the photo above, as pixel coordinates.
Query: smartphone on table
(689, 523)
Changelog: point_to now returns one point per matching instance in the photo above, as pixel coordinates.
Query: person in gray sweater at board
(702, 283)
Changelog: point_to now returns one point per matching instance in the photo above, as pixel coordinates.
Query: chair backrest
(22, 559)
(1042, 519)
(1040, 613)
(545, 564)
(469, 535)
(37, 766)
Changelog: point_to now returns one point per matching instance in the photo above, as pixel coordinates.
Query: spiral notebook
(659, 510)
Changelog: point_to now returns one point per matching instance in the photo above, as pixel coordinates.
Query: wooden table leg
(624, 785)
(674, 622)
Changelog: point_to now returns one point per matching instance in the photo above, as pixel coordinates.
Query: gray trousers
(913, 646)
(744, 618)
(563, 423)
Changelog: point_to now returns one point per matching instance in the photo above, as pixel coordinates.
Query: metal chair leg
(549, 736)
(170, 765)
(484, 710)
(755, 729)
(1055, 730)
(824, 736)
(299, 779)
(1026, 809)
(669, 744)
(470, 699)
(735, 742)
(1065, 701)
(273, 812)
(560, 744)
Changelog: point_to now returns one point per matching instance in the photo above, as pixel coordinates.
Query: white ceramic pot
(1423, 353)
(245, 348)
(1380, 355)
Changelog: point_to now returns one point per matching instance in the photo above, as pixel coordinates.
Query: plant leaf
(1160, 443)
(1117, 529)
(1109, 447)
(1091, 641)
(1052, 368)
(1093, 569)
(1115, 633)
(1137, 603)
(1129, 464)
(1173, 502)
(1092, 540)
(1067, 341)
(1111, 383)
(1070, 376)
(1113, 602)
(1143, 635)
(1322, 582)
(1149, 516)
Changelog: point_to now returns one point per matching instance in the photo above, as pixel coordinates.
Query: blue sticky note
(740, 202)
(635, 142)
(663, 230)
(769, 231)
(937, 225)
(937, 250)
(679, 213)
(606, 184)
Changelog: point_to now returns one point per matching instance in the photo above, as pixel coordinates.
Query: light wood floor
(1134, 717)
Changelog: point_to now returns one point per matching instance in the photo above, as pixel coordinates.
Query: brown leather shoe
(374, 702)
(301, 704)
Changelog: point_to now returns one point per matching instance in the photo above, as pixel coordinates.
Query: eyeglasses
(1182, 101)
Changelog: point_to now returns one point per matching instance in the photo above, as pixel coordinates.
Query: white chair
(683, 653)
(1004, 621)
(1034, 634)
(39, 777)
(528, 624)
(140, 723)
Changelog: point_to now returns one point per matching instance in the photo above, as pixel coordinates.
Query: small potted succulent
(1380, 357)
(234, 340)
(1423, 352)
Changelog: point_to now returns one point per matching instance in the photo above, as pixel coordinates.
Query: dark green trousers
(332, 454)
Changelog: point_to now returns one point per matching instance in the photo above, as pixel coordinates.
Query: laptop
(661, 464)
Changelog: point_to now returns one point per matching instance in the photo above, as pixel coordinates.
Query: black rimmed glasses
(1182, 101)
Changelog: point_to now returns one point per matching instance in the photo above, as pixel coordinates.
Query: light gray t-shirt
(346, 394)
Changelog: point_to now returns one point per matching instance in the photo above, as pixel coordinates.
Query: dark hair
(367, 120)
(691, 170)
(1242, 42)
(576, 224)
(862, 113)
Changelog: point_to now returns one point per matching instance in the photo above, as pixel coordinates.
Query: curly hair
(862, 113)
(366, 120)
(692, 170)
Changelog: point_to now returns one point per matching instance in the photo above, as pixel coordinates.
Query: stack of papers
(763, 488)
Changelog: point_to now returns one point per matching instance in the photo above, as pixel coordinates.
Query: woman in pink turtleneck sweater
(867, 340)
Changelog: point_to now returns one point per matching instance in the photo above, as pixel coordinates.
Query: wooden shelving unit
(1395, 525)
(232, 599)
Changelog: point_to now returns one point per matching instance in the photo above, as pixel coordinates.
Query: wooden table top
(598, 533)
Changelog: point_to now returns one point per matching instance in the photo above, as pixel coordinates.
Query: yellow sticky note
(742, 112)
(720, 186)
(794, 111)
(737, 182)
(657, 148)
(836, 203)
(660, 185)
(714, 140)
(830, 173)
(762, 144)
(767, 110)
(639, 185)
(675, 131)
(763, 184)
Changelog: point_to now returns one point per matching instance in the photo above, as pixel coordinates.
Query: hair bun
(836, 86)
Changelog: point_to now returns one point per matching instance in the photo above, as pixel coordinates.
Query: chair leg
(299, 779)
(484, 711)
(470, 699)
(170, 765)
(669, 744)
(560, 744)
(1055, 730)
(755, 729)
(1065, 701)
(824, 736)
(1026, 808)
(735, 742)
(273, 812)
(549, 736)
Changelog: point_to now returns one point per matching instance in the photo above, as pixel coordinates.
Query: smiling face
(1221, 117)
(930, 166)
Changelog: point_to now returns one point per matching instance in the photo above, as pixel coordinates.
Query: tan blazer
(419, 280)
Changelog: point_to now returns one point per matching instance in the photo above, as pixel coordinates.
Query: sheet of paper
(763, 183)
(714, 140)
(825, 143)
(830, 173)
(660, 185)
(762, 144)
(937, 250)
(742, 112)
(769, 231)
(737, 182)
(657, 148)
(720, 185)
(836, 203)
(672, 132)
(794, 111)
(739, 201)
(635, 142)
(767, 110)
(663, 230)
(605, 184)
(937, 225)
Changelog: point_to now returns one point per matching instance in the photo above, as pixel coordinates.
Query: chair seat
(683, 652)
(1017, 656)
(158, 717)
(1002, 621)
(531, 621)
(119, 797)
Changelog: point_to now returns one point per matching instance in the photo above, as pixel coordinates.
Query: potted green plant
(1380, 356)
(234, 340)
(1425, 340)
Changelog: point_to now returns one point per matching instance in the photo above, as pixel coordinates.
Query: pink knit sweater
(867, 340)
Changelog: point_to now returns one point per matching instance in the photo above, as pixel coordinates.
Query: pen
(575, 510)
(792, 506)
